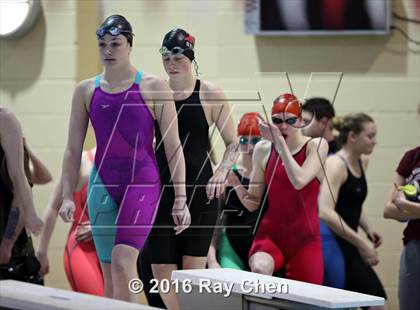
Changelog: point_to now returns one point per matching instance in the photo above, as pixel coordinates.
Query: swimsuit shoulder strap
(98, 81)
(139, 75)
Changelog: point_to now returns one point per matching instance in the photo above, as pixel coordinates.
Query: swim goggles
(113, 30)
(245, 140)
(166, 52)
(289, 121)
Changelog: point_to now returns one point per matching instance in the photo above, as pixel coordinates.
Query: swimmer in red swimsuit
(289, 164)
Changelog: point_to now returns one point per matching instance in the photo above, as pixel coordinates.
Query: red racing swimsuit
(81, 263)
(289, 230)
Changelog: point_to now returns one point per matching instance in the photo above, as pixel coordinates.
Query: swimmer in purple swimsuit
(124, 186)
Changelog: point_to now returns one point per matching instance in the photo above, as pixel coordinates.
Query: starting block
(227, 288)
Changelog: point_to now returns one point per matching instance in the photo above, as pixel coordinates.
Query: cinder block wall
(381, 77)
(38, 73)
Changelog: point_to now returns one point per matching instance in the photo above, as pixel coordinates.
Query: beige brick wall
(381, 77)
(37, 76)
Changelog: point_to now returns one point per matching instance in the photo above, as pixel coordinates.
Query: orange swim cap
(287, 103)
(248, 125)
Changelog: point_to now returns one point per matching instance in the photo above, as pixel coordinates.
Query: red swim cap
(248, 125)
(287, 103)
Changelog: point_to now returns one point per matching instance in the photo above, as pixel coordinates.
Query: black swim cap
(178, 37)
(115, 25)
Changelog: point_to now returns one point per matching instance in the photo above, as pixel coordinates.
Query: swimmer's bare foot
(33, 223)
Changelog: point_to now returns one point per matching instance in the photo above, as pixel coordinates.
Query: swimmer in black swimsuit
(199, 104)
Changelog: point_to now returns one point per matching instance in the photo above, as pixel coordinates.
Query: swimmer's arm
(300, 176)
(363, 223)
(212, 155)
(221, 115)
(374, 236)
(251, 198)
(85, 167)
(212, 261)
(79, 120)
(50, 218)
(11, 142)
(214, 245)
(241, 192)
(330, 187)
(53, 206)
(166, 116)
(39, 172)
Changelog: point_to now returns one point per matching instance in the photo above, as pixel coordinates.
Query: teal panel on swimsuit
(103, 213)
(227, 255)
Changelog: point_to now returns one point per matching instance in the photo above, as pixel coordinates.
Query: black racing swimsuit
(360, 277)
(240, 223)
(194, 136)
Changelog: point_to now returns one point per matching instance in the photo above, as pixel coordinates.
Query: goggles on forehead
(166, 52)
(246, 140)
(114, 31)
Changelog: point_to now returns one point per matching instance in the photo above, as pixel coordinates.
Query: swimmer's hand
(269, 131)
(33, 223)
(368, 253)
(67, 210)
(375, 238)
(44, 262)
(216, 185)
(5, 254)
(181, 215)
(84, 232)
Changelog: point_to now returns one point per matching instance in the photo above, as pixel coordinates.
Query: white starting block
(227, 288)
(21, 295)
